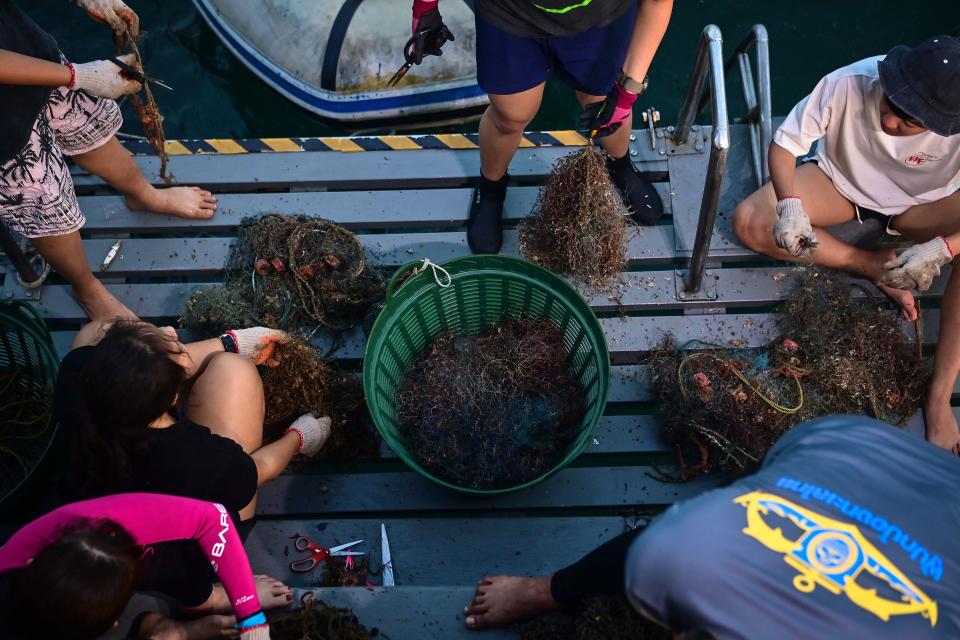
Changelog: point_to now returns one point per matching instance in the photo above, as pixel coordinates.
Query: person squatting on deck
(50, 109)
(603, 49)
(844, 532)
(70, 573)
(886, 131)
(140, 411)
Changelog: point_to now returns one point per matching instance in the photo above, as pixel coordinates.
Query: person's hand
(428, 31)
(942, 429)
(313, 433)
(793, 232)
(115, 13)
(258, 343)
(917, 266)
(603, 118)
(103, 78)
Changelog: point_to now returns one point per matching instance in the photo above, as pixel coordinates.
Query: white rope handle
(437, 270)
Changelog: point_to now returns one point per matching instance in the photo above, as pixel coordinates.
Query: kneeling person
(842, 533)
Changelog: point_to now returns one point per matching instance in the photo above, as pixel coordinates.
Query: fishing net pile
(287, 272)
(306, 382)
(600, 618)
(493, 410)
(578, 225)
(319, 621)
(836, 353)
(26, 426)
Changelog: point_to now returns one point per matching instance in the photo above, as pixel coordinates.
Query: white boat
(335, 57)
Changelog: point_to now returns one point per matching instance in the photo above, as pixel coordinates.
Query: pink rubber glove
(420, 7)
(603, 118)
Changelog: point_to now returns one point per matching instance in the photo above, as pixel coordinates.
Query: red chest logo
(919, 159)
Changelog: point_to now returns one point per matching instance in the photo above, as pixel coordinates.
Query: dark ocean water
(216, 96)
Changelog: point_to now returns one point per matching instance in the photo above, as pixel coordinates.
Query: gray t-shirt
(851, 529)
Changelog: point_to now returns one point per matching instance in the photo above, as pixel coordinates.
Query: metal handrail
(708, 64)
(759, 113)
(28, 275)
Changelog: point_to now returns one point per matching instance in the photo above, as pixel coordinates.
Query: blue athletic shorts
(588, 61)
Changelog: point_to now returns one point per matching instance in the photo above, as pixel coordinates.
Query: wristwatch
(631, 85)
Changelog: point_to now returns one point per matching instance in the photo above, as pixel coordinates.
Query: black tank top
(20, 105)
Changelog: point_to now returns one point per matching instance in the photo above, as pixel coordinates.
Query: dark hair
(78, 586)
(128, 381)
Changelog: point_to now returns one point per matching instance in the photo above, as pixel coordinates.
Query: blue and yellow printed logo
(833, 555)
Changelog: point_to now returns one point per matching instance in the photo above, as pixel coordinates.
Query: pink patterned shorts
(36, 191)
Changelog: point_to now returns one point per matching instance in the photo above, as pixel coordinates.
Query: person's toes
(477, 621)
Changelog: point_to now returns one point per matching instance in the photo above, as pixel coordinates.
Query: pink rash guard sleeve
(151, 518)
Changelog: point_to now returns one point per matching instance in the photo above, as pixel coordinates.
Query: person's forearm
(947, 363)
(18, 69)
(783, 169)
(273, 458)
(653, 16)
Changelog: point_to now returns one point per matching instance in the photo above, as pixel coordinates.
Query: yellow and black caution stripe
(354, 144)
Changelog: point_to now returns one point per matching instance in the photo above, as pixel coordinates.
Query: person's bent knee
(231, 368)
(509, 124)
(749, 225)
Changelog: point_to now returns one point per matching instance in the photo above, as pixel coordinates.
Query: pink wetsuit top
(151, 518)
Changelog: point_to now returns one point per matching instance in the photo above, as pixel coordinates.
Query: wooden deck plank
(437, 551)
(405, 208)
(386, 492)
(343, 171)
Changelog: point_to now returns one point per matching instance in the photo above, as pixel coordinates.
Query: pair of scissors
(318, 554)
(408, 60)
(135, 74)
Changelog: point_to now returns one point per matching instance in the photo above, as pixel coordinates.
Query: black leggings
(601, 572)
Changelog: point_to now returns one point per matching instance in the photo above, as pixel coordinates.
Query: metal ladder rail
(759, 113)
(708, 65)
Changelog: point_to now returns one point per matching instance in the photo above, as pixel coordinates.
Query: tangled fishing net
(578, 225)
(600, 618)
(837, 353)
(26, 427)
(493, 410)
(319, 621)
(306, 382)
(288, 271)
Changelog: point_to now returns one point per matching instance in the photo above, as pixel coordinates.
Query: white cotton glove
(917, 266)
(119, 16)
(258, 343)
(313, 433)
(102, 78)
(793, 231)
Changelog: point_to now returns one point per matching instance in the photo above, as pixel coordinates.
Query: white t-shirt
(874, 170)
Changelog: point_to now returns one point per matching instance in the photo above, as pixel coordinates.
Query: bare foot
(502, 600)
(100, 304)
(905, 299)
(942, 429)
(158, 627)
(183, 202)
(271, 594)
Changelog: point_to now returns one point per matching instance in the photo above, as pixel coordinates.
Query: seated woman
(846, 531)
(140, 411)
(70, 573)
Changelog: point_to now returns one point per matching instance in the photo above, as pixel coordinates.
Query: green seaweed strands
(837, 352)
(26, 426)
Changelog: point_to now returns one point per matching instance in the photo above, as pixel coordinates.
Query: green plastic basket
(485, 290)
(26, 346)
